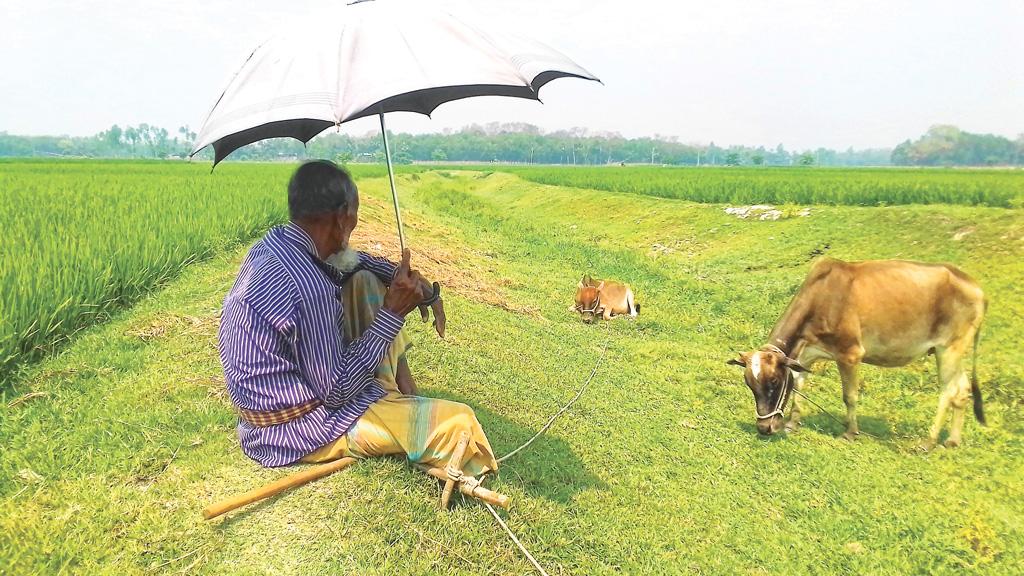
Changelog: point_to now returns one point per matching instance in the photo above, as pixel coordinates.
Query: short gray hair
(318, 188)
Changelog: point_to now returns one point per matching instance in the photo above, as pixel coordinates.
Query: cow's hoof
(850, 436)
(927, 445)
(792, 427)
(951, 443)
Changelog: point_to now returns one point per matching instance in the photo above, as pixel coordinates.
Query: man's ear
(795, 366)
(739, 360)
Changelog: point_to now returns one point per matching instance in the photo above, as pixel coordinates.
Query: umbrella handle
(434, 296)
(391, 177)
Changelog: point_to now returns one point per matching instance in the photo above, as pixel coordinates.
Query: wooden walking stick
(276, 487)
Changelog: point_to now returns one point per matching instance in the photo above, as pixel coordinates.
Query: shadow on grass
(818, 423)
(548, 468)
(750, 428)
(870, 426)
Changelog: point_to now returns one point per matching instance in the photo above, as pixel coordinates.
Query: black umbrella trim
(419, 101)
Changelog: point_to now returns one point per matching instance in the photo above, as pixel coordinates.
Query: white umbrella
(373, 57)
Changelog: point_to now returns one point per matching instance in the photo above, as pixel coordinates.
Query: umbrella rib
(221, 97)
(338, 89)
(504, 57)
(415, 57)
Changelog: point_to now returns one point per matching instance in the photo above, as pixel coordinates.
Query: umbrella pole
(391, 176)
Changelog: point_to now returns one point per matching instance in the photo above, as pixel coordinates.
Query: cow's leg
(851, 393)
(797, 411)
(607, 314)
(805, 357)
(956, 391)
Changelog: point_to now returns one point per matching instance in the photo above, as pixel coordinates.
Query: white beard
(346, 261)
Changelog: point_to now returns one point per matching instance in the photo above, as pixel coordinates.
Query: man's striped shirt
(281, 346)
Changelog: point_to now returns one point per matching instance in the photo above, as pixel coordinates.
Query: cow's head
(769, 374)
(588, 299)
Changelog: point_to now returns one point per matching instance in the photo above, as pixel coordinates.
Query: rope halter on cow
(787, 388)
(594, 308)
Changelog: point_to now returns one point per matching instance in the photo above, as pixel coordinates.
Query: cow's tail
(979, 411)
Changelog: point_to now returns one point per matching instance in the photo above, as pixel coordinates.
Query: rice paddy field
(804, 185)
(117, 430)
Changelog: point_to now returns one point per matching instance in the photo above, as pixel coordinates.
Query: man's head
(768, 372)
(323, 199)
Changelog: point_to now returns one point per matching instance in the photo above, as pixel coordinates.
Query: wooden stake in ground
(263, 492)
(454, 468)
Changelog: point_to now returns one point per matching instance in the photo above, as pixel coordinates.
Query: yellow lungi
(424, 430)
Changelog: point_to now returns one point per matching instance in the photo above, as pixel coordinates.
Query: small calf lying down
(881, 312)
(605, 298)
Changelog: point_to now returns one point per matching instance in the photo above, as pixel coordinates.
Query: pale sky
(805, 73)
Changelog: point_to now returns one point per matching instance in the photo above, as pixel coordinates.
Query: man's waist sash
(263, 419)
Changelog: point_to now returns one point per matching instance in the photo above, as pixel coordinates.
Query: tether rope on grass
(568, 405)
(830, 415)
(579, 393)
(516, 540)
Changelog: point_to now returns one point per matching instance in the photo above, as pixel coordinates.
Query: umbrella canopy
(373, 57)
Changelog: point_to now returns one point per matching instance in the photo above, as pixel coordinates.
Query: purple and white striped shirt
(281, 345)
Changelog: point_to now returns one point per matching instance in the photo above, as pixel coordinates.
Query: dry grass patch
(458, 267)
(166, 324)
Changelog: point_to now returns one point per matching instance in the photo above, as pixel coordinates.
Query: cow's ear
(795, 366)
(739, 360)
(601, 285)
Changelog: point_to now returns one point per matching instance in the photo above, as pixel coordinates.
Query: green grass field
(113, 446)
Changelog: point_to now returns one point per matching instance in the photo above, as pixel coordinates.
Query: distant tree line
(494, 142)
(524, 144)
(949, 146)
(142, 141)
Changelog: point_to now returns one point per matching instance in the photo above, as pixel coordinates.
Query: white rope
(516, 540)
(563, 409)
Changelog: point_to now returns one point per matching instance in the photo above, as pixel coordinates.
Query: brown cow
(604, 298)
(881, 312)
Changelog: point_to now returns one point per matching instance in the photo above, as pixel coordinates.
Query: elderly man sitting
(314, 358)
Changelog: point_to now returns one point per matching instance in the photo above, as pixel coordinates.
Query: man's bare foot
(403, 377)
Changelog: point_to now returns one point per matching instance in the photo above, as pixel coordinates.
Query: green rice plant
(834, 186)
